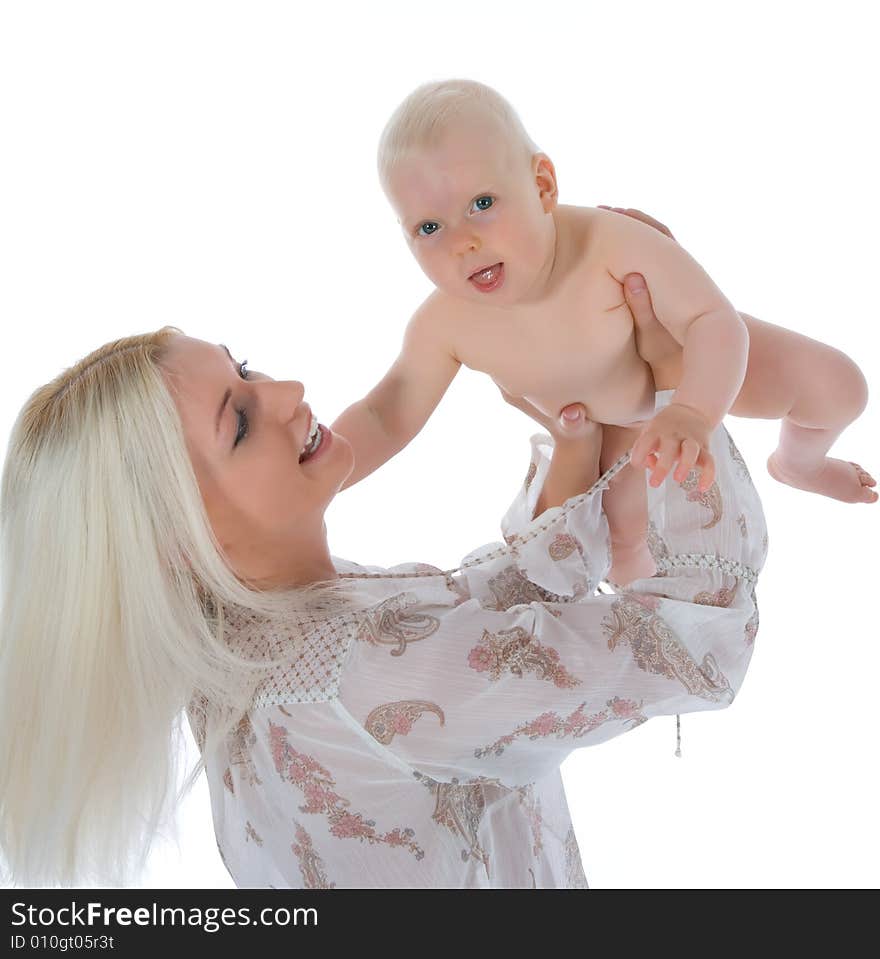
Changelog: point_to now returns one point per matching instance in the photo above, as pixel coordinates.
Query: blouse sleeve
(526, 661)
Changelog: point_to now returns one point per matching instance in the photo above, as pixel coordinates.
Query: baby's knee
(847, 387)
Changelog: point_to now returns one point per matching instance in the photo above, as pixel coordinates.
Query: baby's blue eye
(482, 202)
(426, 229)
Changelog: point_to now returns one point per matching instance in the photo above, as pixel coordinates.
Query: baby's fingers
(669, 453)
(643, 447)
(706, 465)
(690, 453)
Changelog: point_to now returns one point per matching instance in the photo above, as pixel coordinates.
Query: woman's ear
(545, 179)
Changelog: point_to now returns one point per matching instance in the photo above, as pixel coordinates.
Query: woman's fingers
(639, 215)
(638, 299)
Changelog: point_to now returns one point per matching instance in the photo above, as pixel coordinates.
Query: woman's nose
(287, 396)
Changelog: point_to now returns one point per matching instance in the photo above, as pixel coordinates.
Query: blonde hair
(114, 593)
(422, 118)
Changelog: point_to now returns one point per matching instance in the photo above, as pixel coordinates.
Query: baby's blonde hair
(113, 597)
(422, 118)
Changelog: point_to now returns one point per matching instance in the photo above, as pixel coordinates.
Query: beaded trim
(707, 561)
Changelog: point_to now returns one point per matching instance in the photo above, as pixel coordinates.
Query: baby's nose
(467, 243)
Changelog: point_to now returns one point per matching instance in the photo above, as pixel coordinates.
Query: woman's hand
(571, 424)
(638, 215)
(577, 445)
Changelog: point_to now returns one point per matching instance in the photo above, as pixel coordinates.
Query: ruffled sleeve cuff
(567, 549)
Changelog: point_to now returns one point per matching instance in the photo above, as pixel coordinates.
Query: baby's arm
(393, 412)
(714, 337)
(691, 307)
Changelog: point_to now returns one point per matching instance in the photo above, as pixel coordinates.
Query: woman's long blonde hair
(113, 598)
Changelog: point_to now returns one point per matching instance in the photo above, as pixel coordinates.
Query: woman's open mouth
(488, 279)
(318, 438)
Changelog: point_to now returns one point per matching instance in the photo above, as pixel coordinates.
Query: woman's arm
(495, 675)
(577, 441)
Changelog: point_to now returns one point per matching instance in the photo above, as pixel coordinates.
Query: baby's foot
(838, 479)
(631, 562)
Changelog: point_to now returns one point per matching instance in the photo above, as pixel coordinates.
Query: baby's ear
(545, 179)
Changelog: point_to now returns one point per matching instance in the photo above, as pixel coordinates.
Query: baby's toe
(864, 476)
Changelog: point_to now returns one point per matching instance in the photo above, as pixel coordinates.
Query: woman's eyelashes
(242, 430)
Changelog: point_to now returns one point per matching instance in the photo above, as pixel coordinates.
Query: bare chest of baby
(579, 346)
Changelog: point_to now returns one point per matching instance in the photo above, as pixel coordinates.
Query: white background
(211, 165)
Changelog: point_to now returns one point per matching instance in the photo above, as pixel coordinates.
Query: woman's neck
(286, 564)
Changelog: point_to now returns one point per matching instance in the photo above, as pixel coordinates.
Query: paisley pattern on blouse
(227, 780)
(711, 499)
(392, 719)
(736, 456)
(721, 597)
(316, 783)
(743, 528)
(563, 545)
(395, 622)
(511, 587)
(532, 806)
(518, 651)
(576, 724)
(751, 629)
(657, 649)
(460, 807)
(241, 742)
(252, 834)
(531, 474)
(310, 863)
(574, 870)
(656, 545)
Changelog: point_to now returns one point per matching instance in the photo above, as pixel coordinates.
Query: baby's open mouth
(488, 278)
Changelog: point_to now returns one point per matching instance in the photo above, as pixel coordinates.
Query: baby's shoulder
(441, 315)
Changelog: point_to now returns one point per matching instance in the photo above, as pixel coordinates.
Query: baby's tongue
(486, 276)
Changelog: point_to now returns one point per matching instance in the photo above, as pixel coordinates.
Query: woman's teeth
(313, 441)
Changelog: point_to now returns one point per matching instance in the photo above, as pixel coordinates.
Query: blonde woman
(164, 556)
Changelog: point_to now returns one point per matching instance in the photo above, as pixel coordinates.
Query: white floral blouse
(419, 744)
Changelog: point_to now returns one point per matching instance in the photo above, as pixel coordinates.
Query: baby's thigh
(781, 365)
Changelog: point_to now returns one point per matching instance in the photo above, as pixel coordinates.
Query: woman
(359, 727)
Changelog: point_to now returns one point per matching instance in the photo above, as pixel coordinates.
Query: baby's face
(476, 215)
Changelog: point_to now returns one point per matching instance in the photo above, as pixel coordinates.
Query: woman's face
(246, 433)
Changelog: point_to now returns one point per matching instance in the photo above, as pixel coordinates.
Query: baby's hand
(677, 434)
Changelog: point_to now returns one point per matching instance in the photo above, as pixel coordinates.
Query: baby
(531, 293)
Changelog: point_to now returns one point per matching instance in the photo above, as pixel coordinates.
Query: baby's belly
(623, 398)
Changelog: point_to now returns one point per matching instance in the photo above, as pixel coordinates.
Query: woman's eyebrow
(226, 395)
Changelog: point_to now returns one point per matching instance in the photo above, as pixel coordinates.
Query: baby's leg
(816, 391)
(626, 506)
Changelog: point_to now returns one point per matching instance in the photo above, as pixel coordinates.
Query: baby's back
(576, 345)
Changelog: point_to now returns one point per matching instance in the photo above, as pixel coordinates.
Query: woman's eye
(242, 431)
(243, 425)
(428, 228)
(482, 203)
